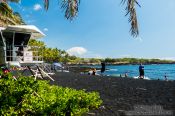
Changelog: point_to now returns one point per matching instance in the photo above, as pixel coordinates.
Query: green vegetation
(136, 61)
(52, 54)
(7, 16)
(25, 96)
(57, 55)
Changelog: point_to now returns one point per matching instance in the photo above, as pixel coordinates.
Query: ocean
(152, 72)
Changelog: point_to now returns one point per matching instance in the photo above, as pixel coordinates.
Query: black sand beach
(124, 96)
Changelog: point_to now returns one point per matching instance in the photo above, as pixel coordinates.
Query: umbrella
(57, 64)
(35, 32)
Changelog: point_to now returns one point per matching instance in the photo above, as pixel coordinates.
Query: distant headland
(123, 61)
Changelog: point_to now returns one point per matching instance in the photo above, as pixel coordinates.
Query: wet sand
(124, 96)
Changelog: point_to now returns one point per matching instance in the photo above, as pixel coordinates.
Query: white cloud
(82, 52)
(37, 7)
(77, 51)
(45, 29)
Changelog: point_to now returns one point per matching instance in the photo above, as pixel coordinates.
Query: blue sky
(102, 30)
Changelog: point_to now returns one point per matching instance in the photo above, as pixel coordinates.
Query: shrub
(29, 97)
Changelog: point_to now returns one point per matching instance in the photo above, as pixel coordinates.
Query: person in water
(166, 79)
(141, 71)
(126, 74)
(90, 72)
(94, 72)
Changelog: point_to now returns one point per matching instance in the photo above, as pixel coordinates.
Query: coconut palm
(7, 17)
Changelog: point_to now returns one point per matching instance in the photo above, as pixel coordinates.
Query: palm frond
(131, 11)
(18, 18)
(4, 21)
(7, 16)
(17, 1)
(5, 9)
(12, 1)
(46, 4)
(71, 8)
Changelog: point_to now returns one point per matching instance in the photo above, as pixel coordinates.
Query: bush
(29, 97)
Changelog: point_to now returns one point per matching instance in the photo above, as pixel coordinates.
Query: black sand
(124, 96)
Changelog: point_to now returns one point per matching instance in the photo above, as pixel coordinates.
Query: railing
(23, 54)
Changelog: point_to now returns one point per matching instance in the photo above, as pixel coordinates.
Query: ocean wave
(146, 78)
(113, 69)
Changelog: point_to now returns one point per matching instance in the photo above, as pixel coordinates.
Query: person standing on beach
(103, 67)
(141, 71)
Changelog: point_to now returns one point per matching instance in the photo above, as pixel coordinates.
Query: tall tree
(7, 16)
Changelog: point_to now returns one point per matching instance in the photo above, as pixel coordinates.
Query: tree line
(51, 55)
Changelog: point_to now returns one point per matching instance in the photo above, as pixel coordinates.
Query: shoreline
(130, 70)
(118, 64)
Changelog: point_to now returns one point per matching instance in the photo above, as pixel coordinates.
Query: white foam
(113, 70)
(137, 77)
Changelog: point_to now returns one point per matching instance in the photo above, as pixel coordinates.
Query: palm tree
(71, 10)
(7, 17)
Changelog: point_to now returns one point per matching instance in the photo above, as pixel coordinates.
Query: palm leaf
(5, 9)
(71, 8)
(10, 1)
(13, 1)
(46, 4)
(18, 18)
(6, 15)
(131, 11)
